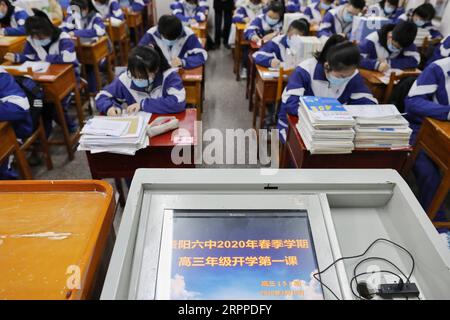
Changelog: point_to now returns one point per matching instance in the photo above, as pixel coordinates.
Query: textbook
(364, 25)
(302, 48)
(325, 125)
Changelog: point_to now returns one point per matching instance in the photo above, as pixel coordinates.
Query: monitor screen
(242, 255)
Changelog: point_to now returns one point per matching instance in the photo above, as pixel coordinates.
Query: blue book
(326, 112)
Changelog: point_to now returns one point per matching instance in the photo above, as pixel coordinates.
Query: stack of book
(122, 135)
(325, 125)
(379, 126)
(365, 25)
(302, 48)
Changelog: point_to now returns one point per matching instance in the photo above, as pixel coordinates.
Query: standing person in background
(223, 10)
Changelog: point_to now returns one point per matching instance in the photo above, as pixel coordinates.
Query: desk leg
(251, 89)
(98, 78)
(109, 65)
(439, 197)
(237, 60)
(22, 163)
(79, 107)
(119, 187)
(255, 111)
(262, 112)
(65, 130)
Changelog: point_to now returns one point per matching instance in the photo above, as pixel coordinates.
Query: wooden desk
(49, 230)
(373, 82)
(193, 84)
(8, 146)
(295, 153)
(239, 45)
(135, 22)
(265, 92)
(119, 36)
(251, 73)
(200, 30)
(157, 155)
(11, 44)
(150, 14)
(92, 54)
(58, 82)
(434, 140)
(313, 29)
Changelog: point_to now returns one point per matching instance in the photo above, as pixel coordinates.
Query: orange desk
(265, 92)
(295, 154)
(11, 44)
(239, 45)
(200, 30)
(193, 84)
(51, 232)
(9, 145)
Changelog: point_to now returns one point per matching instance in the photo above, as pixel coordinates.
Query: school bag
(35, 96)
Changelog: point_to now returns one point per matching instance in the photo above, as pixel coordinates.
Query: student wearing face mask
(248, 11)
(149, 85)
(340, 19)
(276, 52)
(190, 12)
(179, 45)
(266, 26)
(387, 8)
(316, 11)
(45, 42)
(441, 51)
(333, 73)
(429, 97)
(12, 19)
(391, 47)
(422, 16)
(109, 9)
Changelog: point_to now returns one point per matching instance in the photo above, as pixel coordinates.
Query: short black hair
(404, 33)
(6, 19)
(277, 7)
(83, 4)
(146, 59)
(40, 24)
(339, 53)
(358, 4)
(170, 27)
(301, 25)
(426, 11)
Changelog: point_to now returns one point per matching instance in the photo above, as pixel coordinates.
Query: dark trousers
(223, 17)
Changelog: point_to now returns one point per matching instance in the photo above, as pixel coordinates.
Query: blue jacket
(260, 27)
(429, 96)
(187, 47)
(376, 10)
(91, 26)
(276, 48)
(314, 13)
(428, 26)
(182, 11)
(61, 51)
(14, 105)
(16, 25)
(293, 6)
(309, 79)
(138, 5)
(332, 23)
(167, 94)
(441, 51)
(245, 11)
(111, 10)
(372, 51)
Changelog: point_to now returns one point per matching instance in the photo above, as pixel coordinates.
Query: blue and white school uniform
(333, 23)
(14, 108)
(166, 94)
(185, 11)
(314, 13)
(428, 26)
(309, 79)
(260, 27)
(428, 97)
(372, 51)
(441, 51)
(89, 27)
(378, 11)
(16, 25)
(274, 49)
(247, 10)
(187, 47)
(134, 5)
(293, 6)
(110, 10)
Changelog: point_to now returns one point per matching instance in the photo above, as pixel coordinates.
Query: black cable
(361, 255)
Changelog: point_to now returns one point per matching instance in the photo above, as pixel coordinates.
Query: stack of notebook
(122, 135)
(380, 126)
(325, 125)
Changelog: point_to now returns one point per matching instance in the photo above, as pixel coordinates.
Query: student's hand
(114, 111)
(192, 21)
(246, 19)
(9, 57)
(269, 37)
(383, 67)
(2, 32)
(134, 108)
(72, 34)
(275, 63)
(176, 62)
(255, 39)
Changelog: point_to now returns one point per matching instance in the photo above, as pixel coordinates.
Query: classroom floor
(225, 107)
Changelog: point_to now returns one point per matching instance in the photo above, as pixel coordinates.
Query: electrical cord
(318, 273)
